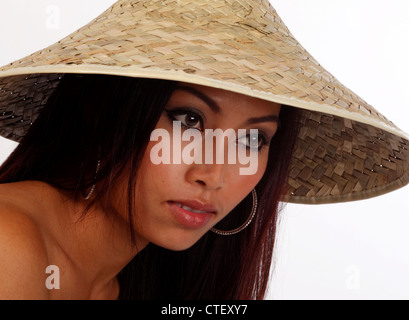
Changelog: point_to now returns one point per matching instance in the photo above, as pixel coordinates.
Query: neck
(98, 243)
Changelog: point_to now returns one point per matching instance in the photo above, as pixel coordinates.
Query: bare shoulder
(23, 254)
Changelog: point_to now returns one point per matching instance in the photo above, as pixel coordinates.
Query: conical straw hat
(346, 150)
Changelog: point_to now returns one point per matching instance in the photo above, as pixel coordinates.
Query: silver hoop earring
(245, 224)
(91, 191)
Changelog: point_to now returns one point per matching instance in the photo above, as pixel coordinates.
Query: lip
(190, 219)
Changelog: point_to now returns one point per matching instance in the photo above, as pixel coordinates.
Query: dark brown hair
(111, 116)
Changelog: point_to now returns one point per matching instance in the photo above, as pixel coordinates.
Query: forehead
(228, 100)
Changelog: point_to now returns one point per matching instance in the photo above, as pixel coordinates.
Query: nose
(209, 176)
(210, 172)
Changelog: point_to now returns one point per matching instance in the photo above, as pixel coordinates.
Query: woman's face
(181, 195)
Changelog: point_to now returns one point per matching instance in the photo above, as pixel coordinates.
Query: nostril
(201, 182)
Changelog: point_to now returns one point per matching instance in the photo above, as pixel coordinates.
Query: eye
(253, 141)
(188, 118)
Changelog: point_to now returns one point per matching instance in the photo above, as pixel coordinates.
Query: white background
(353, 250)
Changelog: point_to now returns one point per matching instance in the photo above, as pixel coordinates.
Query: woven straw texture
(346, 149)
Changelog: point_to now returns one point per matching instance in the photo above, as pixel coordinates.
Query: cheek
(252, 171)
(239, 186)
(157, 176)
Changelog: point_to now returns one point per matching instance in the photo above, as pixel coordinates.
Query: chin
(178, 242)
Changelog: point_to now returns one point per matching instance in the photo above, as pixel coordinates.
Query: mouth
(192, 214)
(195, 206)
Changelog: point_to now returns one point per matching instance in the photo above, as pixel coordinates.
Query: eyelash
(185, 111)
(188, 111)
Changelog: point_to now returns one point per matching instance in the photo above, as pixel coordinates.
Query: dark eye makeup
(191, 118)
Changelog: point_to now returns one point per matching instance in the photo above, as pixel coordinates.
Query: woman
(88, 154)
(135, 199)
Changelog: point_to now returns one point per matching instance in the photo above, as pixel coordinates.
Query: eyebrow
(209, 101)
(272, 118)
(216, 108)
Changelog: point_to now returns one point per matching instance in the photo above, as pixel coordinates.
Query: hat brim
(346, 149)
